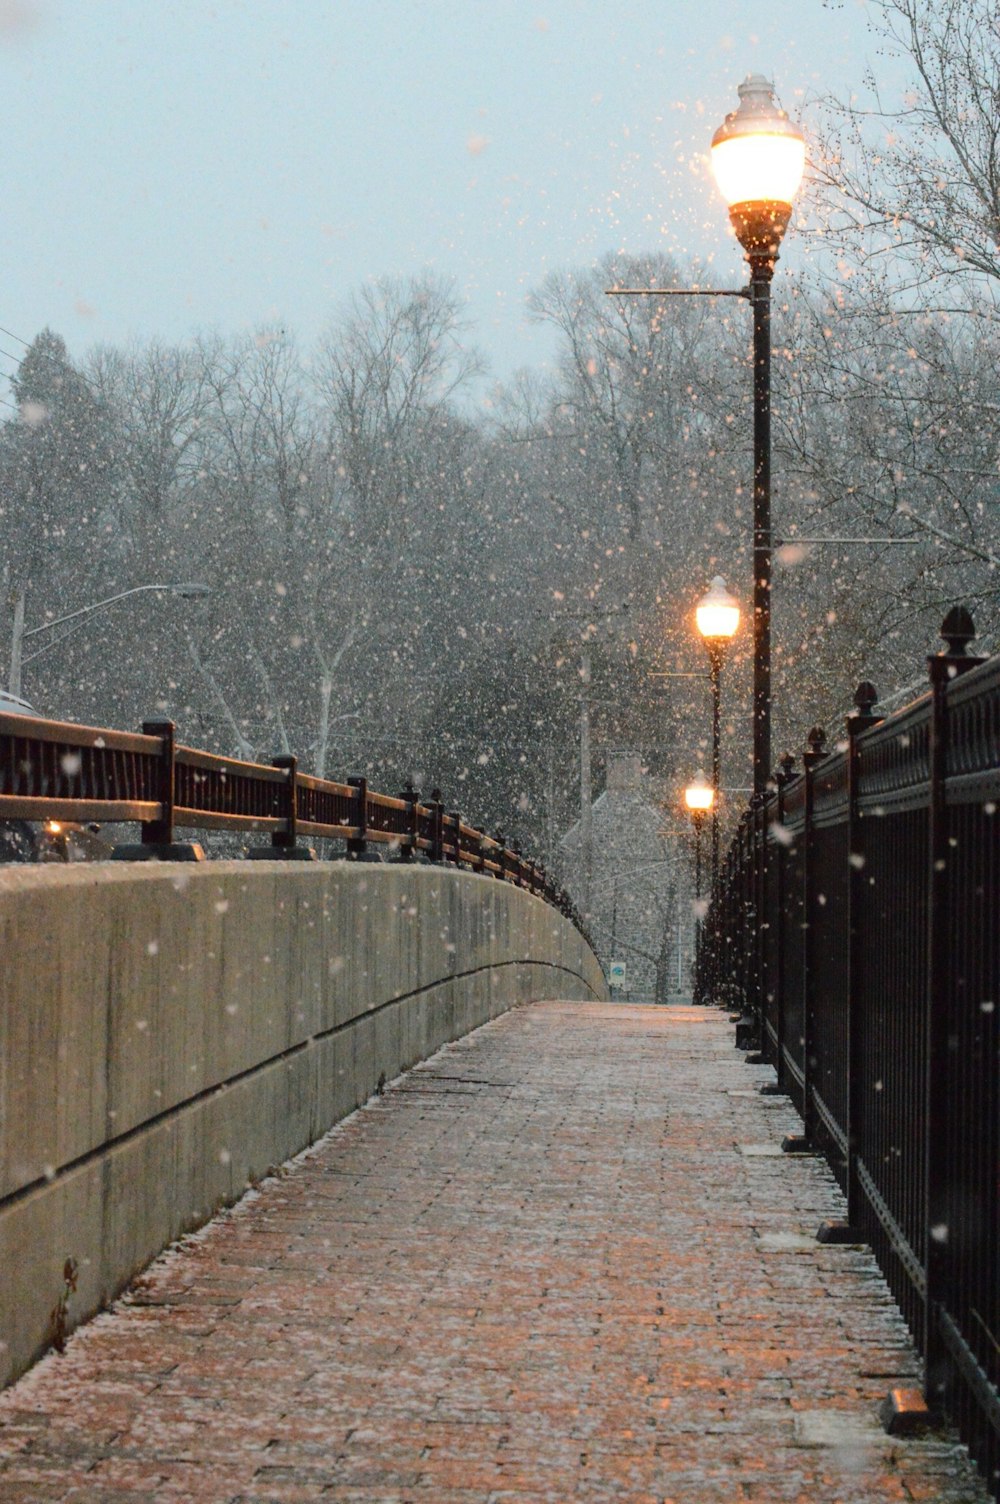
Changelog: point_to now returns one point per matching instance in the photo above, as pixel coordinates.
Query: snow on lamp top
(717, 613)
(758, 155)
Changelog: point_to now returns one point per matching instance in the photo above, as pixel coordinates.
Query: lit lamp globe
(699, 796)
(717, 613)
(758, 157)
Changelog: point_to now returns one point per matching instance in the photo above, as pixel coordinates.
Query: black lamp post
(718, 616)
(758, 156)
(699, 797)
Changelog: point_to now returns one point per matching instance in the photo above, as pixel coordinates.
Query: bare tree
(915, 183)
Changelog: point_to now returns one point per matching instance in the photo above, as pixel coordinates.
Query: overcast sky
(176, 165)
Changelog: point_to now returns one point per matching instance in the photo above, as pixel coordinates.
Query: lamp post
(758, 157)
(718, 616)
(20, 635)
(699, 797)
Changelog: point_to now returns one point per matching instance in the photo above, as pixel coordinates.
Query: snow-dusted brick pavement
(541, 1267)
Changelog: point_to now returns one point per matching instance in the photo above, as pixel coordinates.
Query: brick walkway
(559, 1261)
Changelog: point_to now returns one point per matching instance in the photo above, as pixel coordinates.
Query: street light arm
(109, 601)
(678, 292)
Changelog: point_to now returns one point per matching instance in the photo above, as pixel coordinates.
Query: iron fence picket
(882, 995)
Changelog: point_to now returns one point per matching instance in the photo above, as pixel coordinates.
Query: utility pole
(550, 812)
(586, 789)
(586, 776)
(17, 642)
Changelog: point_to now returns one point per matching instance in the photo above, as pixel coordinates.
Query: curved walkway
(561, 1260)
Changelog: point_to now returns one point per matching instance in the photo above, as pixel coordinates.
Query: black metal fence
(54, 771)
(857, 926)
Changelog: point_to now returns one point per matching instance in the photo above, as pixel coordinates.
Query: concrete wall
(168, 1033)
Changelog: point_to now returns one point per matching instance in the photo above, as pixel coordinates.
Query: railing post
(779, 919)
(161, 832)
(408, 845)
(865, 698)
(501, 855)
(156, 839)
(747, 1035)
(437, 826)
(285, 843)
(458, 837)
(357, 846)
(957, 629)
(804, 1143)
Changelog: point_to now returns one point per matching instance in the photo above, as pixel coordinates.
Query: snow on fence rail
(53, 770)
(856, 923)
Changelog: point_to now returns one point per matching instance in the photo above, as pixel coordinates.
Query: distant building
(636, 881)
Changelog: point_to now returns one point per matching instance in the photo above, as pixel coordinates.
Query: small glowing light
(53, 827)
(717, 613)
(699, 795)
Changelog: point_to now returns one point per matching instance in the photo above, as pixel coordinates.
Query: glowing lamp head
(758, 157)
(699, 795)
(717, 613)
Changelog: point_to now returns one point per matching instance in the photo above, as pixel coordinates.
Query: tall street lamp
(699, 797)
(718, 617)
(187, 591)
(758, 157)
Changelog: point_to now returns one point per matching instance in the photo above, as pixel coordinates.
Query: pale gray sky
(176, 165)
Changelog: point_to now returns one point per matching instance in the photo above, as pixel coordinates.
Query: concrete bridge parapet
(168, 1034)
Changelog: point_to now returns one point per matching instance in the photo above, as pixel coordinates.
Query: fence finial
(958, 630)
(865, 696)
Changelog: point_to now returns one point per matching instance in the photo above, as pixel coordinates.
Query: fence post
(804, 1143)
(285, 843)
(747, 1037)
(865, 698)
(762, 923)
(408, 845)
(778, 919)
(156, 838)
(458, 837)
(357, 846)
(437, 826)
(957, 629)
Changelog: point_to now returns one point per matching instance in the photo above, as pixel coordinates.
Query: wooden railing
(56, 771)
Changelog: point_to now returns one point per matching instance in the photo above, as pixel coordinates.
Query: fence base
(281, 854)
(840, 1233)
(905, 1412)
(747, 1034)
(159, 851)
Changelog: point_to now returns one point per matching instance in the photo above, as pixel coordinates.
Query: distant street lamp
(718, 617)
(699, 797)
(758, 157)
(20, 635)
